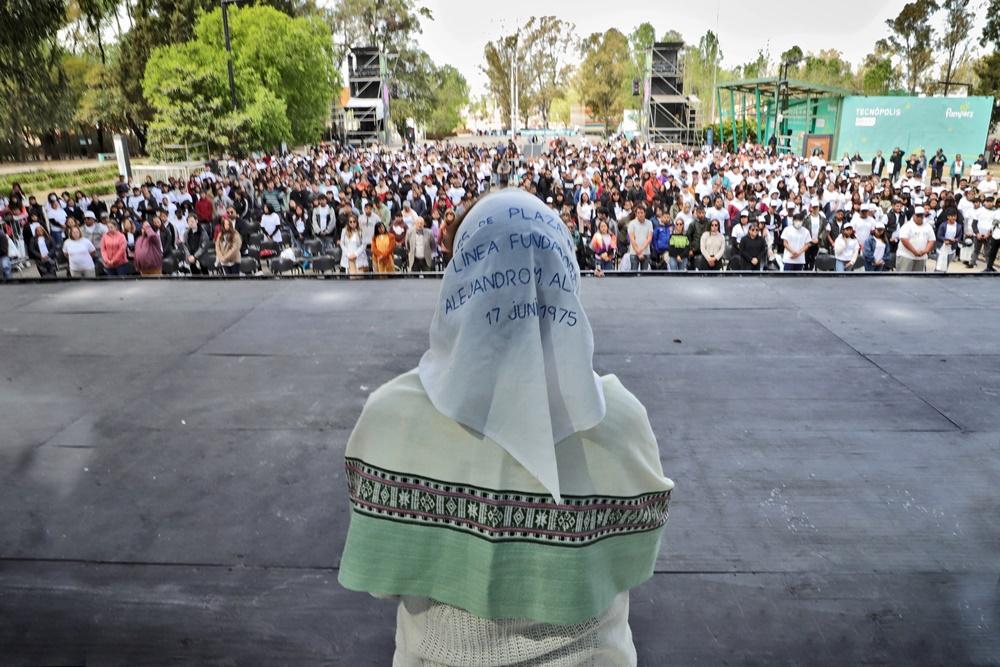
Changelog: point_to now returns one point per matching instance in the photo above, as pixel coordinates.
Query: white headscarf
(511, 353)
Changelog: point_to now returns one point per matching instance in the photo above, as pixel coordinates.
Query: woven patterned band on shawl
(496, 515)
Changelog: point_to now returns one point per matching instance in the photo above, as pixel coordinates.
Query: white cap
(90, 215)
(919, 211)
(879, 225)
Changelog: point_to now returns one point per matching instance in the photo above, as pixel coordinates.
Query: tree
(877, 75)
(826, 68)
(451, 94)
(285, 82)
(32, 79)
(546, 45)
(912, 35)
(988, 73)
(602, 73)
(640, 41)
(500, 57)
(758, 67)
(384, 24)
(792, 55)
(954, 41)
(991, 32)
(703, 69)
(292, 57)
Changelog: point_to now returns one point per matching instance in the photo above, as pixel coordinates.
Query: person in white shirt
(796, 239)
(80, 253)
(916, 240)
(367, 221)
(742, 228)
(846, 249)
(270, 222)
(988, 186)
(864, 223)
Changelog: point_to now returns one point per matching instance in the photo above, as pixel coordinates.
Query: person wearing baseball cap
(846, 249)
(916, 240)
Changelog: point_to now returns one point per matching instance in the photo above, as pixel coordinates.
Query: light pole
(229, 48)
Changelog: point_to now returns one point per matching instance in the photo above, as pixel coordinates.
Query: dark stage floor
(171, 485)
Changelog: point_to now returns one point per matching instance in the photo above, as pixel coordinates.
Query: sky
(461, 28)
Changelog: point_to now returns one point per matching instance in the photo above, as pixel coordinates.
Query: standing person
(149, 252)
(957, 169)
(640, 235)
(795, 239)
(383, 247)
(546, 566)
(980, 230)
(270, 222)
(994, 238)
(353, 258)
(227, 248)
(420, 242)
(114, 251)
(6, 266)
(937, 165)
(846, 249)
(878, 164)
(876, 249)
(916, 240)
(80, 253)
(752, 250)
(713, 245)
(950, 234)
(604, 244)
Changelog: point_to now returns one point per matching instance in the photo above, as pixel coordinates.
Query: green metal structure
(787, 109)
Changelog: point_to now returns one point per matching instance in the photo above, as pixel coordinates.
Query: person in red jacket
(204, 208)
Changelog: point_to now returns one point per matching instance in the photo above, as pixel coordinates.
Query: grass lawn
(93, 181)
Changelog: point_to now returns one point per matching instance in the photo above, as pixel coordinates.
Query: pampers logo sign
(866, 116)
(963, 112)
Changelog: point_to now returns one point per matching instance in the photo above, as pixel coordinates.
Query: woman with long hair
(383, 246)
(42, 251)
(149, 252)
(353, 259)
(227, 248)
(605, 245)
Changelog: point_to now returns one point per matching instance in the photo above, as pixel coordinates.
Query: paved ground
(171, 487)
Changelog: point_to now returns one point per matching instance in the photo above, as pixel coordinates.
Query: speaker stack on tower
(672, 116)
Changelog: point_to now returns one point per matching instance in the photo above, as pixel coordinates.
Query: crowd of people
(629, 207)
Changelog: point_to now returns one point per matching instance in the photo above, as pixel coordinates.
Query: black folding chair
(249, 266)
(324, 265)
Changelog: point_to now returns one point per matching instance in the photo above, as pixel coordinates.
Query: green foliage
(912, 35)
(954, 41)
(602, 76)
(433, 97)
(991, 31)
(499, 56)
(386, 24)
(290, 57)
(451, 95)
(285, 83)
(546, 45)
(987, 70)
(826, 68)
(31, 79)
(723, 132)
